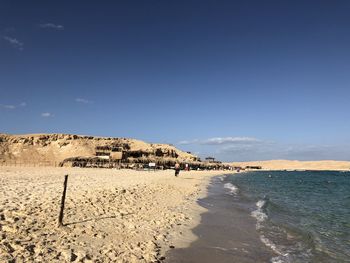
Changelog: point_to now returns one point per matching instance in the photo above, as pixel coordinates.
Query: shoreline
(295, 228)
(110, 215)
(125, 216)
(226, 233)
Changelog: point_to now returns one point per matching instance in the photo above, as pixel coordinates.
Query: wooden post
(60, 217)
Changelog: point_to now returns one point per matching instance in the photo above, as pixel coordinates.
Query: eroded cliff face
(55, 148)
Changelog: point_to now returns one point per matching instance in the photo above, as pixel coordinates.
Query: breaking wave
(233, 189)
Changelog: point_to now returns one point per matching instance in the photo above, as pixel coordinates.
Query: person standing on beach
(177, 169)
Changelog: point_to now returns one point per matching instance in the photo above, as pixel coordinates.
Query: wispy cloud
(230, 140)
(185, 142)
(12, 106)
(9, 107)
(46, 114)
(250, 149)
(52, 26)
(14, 42)
(222, 141)
(268, 151)
(81, 100)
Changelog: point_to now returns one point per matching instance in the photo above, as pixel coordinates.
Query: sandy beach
(110, 215)
(103, 104)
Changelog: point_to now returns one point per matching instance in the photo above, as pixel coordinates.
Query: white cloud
(46, 114)
(14, 42)
(250, 149)
(270, 151)
(9, 107)
(12, 107)
(81, 100)
(230, 140)
(222, 141)
(52, 26)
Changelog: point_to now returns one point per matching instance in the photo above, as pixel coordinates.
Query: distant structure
(109, 152)
(253, 167)
(210, 159)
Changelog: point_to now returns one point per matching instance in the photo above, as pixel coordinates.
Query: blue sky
(239, 80)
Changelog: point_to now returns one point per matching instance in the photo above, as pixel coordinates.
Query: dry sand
(297, 165)
(110, 215)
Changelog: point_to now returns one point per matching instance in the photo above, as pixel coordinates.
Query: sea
(302, 216)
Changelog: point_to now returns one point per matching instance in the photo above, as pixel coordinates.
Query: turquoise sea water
(302, 216)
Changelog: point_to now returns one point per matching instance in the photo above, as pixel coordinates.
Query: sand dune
(110, 215)
(297, 165)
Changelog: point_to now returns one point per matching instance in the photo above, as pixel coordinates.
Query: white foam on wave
(260, 204)
(233, 189)
(271, 245)
(283, 257)
(259, 214)
(278, 260)
(260, 217)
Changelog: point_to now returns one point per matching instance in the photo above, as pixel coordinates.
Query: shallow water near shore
(279, 216)
(302, 216)
(226, 232)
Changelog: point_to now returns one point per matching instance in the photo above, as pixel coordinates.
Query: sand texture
(297, 165)
(110, 215)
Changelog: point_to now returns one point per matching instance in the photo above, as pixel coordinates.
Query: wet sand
(226, 233)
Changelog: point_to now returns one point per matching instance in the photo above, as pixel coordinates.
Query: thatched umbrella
(167, 161)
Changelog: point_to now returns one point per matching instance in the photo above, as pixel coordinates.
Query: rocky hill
(61, 149)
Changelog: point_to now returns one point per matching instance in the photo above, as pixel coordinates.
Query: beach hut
(210, 159)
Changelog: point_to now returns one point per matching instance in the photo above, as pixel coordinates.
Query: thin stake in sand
(60, 217)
